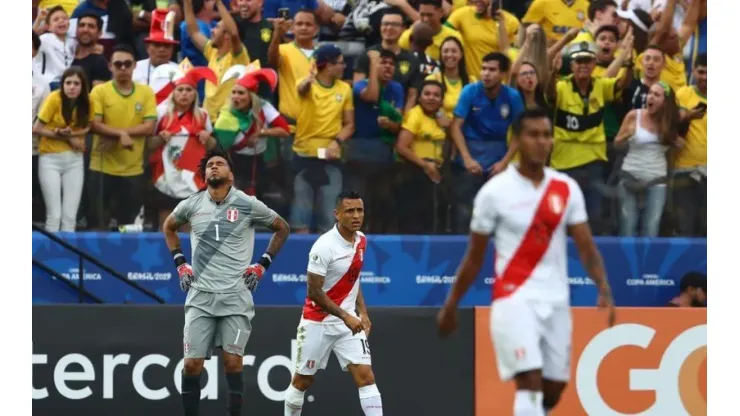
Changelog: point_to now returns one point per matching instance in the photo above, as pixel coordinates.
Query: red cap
(162, 29)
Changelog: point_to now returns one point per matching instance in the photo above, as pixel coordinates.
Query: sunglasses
(123, 64)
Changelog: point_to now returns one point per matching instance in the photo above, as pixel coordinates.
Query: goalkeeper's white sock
(293, 401)
(528, 403)
(370, 400)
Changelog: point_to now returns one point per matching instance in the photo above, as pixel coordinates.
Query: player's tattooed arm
(280, 233)
(171, 225)
(318, 296)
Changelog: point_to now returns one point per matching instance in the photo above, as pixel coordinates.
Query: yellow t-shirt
(579, 131)
(294, 66)
(673, 74)
(600, 71)
(433, 49)
(480, 36)
(694, 153)
(458, 4)
(218, 95)
(51, 115)
(556, 17)
(320, 116)
(119, 111)
(69, 5)
(429, 138)
(452, 92)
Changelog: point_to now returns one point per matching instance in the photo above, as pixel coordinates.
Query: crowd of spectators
(408, 102)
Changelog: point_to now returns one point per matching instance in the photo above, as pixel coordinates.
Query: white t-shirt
(529, 229)
(59, 54)
(340, 262)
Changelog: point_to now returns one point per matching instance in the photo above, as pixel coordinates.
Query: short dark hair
(435, 3)
(655, 48)
(36, 40)
(217, 151)
(607, 28)
(123, 47)
(347, 194)
(392, 10)
(309, 11)
(701, 60)
(504, 63)
(598, 6)
(433, 82)
(52, 11)
(529, 114)
(387, 53)
(693, 279)
(92, 15)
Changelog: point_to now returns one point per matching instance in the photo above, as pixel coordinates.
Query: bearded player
(529, 210)
(219, 307)
(330, 321)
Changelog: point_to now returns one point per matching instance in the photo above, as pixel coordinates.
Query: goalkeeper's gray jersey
(222, 237)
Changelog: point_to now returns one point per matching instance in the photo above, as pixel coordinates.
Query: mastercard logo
(632, 369)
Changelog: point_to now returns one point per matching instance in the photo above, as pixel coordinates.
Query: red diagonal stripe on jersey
(536, 240)
(341, 289)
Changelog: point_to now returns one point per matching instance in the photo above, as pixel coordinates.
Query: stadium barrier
(125, 360)
(398, 271)
(652, 362)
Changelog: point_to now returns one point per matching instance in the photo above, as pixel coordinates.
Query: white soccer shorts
(316, 341)
(529, 335)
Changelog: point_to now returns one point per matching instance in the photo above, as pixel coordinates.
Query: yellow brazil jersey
(320, 116)
(452, 91)
(433, 49)
(458, 4)
(673, 74)
(429, 138)
(600, 71)
(694, 152)
(120, 112)
(579, 122)
(294, 65)
(51, 115)
(480, 36)
(556, 17)
(69, 5)
(218, 95)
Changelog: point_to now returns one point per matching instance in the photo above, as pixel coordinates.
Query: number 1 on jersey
(217, 237)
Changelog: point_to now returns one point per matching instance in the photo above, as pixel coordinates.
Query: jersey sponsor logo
(315, 258)
(232, 214)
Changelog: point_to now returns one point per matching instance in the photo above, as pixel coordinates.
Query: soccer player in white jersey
(334, 314)
(529, 210)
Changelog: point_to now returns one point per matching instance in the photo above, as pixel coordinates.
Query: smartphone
(701, 106)
(284, 13)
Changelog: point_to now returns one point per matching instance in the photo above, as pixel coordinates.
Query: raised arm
(199, 39)
(230, 27)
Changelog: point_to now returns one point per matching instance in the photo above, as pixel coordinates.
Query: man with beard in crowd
(693, 292)
(88, 53)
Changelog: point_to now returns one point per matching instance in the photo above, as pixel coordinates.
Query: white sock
(528, 403)
(293, 401)
(370, 400)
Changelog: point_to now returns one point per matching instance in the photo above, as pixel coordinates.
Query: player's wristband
(178, 257)
(265, 261)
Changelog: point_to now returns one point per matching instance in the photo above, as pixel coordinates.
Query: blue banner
(399, 270)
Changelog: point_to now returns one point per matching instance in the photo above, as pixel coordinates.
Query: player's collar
(226, 198)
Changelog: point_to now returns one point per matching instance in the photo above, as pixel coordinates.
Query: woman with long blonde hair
(182, 136)
(245, 124)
